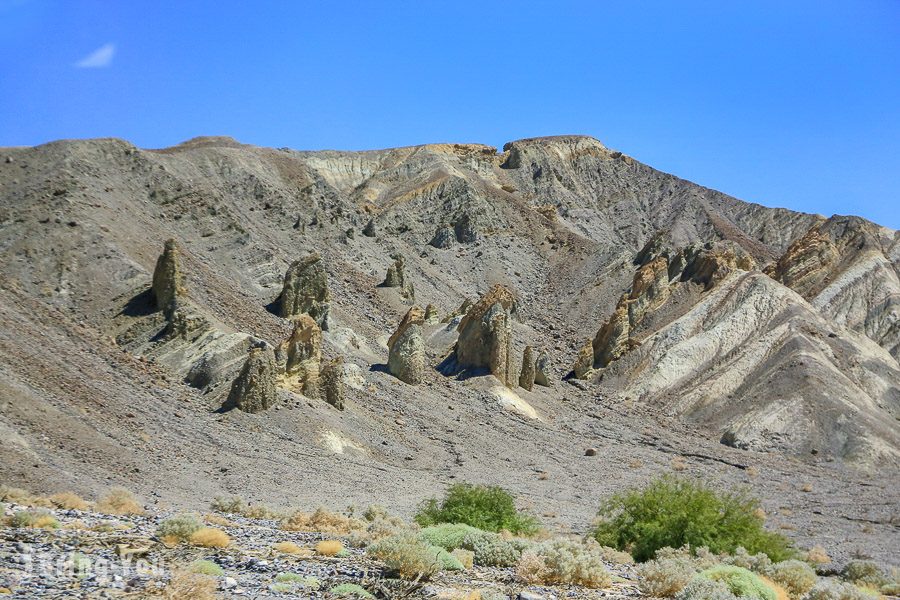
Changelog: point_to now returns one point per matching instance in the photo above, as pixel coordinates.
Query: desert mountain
(222, 318)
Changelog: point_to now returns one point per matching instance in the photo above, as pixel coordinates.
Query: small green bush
(206, 567)
(306, 581)
(181, 527)
(448, 536)
(491, 549)
(758, 563)
(741, 582)
(486, 507)
(864, 572)
(705, 589)
(673, 511)
(352, 590)
(565, 561)
(832, 589)
(411, 556)
(234, 505)
(795, 576)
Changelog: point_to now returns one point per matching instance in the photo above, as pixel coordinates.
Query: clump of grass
(329, 548)
(740, 582)
(69, 501)
(35, 519)
(214, 519)
(832, 589)
(705, 589)
(864, 572)
(322, 521)
(465, 557)
(206, 567)
(306, 581)
(817, 556)
(184, 584)
(210, 537)
(489, 549)
(411, 557)
(179, 528)
(665, 577)
(351, 590)
(673, 511)
(234, 505)
(119, 501)
(488, 508)
(287, 548)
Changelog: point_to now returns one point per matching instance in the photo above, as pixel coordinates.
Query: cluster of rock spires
(660, 271)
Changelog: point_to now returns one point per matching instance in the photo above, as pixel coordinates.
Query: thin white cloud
(99, 58)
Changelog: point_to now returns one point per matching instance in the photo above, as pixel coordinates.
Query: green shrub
(864, 572)
(741, 582)
(486, 507)
(795, 576)
(181, 527)
(306, 581)
(352, 590)
(234, 505)
(491, 549)
(411, 556)
(665, 577)
(705, 589)
(832, 589)
(206, 567)
(448, 536)
(758, 563)
(673, 511)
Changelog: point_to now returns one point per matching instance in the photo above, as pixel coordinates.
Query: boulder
(485, 334)
(301, 354)
(369, 229)
(463, 309)
(333, 382)
(306, 291)
(465, 229)
(168, 282)
(254, 389)
(527, 374)
(406, 350)
(543, 369)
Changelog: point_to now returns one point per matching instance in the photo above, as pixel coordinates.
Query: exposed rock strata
(305, 290)
(406, 350)
(254, 390)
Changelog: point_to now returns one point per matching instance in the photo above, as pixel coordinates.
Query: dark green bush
(673, 511)
(485, 507)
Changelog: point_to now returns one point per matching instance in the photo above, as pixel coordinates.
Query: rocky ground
(95, 555)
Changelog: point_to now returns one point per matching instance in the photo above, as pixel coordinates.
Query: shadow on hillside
(140, 305)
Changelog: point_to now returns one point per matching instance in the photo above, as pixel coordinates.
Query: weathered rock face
(466, 229)
(431, 314)
(168, 282)
(485, 334)
(186, 324)
(543, 369)
(660, 271)
(301, 354)
(527, 374)
(254, 389)
(462, 311)
(396, 278)
(584, 360)
(444, 237)
(849, 269)
(406, 350)
(306, 290)
(333, 382)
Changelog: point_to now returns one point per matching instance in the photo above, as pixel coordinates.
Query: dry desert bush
(210, 537)
(119, 501)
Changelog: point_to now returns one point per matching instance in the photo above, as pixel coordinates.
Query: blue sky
(792, 104)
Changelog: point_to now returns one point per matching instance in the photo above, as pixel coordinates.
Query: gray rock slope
(797, 372)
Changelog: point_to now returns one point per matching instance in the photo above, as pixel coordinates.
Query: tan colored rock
(305, 290)
(168, 282)
(485, 334)
(527, 374)
(333, 382)
(806, 263)
(254, 389)
(463, 310)
(406, 349)
(431, 314)
(584, 360)
(302, 354)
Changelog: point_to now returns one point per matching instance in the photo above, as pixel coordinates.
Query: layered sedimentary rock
(254, 390)
(485, 334)
(301, 354)
(333, 382)
(168, 281)
(431, 314)
(527, 374)
(305, 290)
(406, 350)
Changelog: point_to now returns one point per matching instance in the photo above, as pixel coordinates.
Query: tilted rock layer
(485, 334)
(306, 290)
